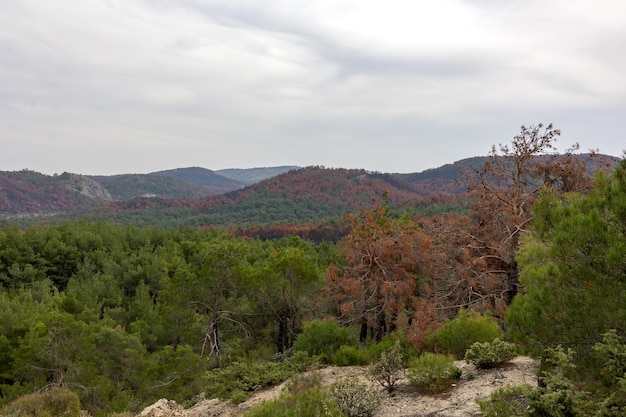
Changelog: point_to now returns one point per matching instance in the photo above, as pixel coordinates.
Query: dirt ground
(458, 401)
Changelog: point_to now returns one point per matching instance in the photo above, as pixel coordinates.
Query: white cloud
(141, 85)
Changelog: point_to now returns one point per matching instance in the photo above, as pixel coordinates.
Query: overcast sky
(136, 86)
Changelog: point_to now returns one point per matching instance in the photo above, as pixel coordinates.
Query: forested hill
(201, 197)
(29, 193)
(308, 195)
(251, 176)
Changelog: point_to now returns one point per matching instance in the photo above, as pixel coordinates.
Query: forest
(113, 317)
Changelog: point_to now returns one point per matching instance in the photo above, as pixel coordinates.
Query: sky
(104, 87)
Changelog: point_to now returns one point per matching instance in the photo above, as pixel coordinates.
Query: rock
(87, 187)
(164, 408)
(212, 408)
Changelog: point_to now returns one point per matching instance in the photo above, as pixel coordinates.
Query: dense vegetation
(125, 315)
(113, 317)
(312, 195)
(128, 186)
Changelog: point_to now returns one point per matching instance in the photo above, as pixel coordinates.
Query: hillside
(128, 186)
(26, 192)
(446, 178)
(212, 182)
(253, 175)
(201, 197)
(307, 195)
(29, 193)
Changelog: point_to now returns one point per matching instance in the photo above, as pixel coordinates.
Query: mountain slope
(213, 182)
(307, 195)
(31, 193)
(128, 186)
(251, 176)
(183, 197)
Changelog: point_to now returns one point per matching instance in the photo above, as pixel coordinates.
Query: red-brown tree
(378, 285)
(504, 190)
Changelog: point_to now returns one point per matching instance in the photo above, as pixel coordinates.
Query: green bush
(313, 402)
(388, 342)
(388, 369)
(239, 380)
(510, 401)
(302, 382)
(323, 338)
(457, 335)
(371, 352)
(490, 354)
(355, 398)
(612, 354)
(56, 402)
(352, 356)
(558, 396)
(432, 372)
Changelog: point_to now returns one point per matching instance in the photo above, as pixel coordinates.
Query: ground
(458, 401)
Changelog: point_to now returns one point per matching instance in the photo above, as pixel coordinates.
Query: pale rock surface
(164, 408)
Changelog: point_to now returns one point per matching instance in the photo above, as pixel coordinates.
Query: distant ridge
(213, 182)
(251, 176)
(201, 197)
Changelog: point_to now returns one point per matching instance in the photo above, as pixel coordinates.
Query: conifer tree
(573, 269)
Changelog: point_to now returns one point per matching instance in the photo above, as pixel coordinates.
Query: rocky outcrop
(164, 408)
(87, 187)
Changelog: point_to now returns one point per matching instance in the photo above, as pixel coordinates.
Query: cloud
(141, 85)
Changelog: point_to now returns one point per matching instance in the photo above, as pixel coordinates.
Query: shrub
(612, 354)
(355, 398)
(388, 342)
(558, 395)
(351, 356)
(457, 335)
(387, 370)
(302, 382)
(490, 354)
(323, 338)
(432, 372)
(313, 402)
(52, 403)
(510, 401)
(240, 379)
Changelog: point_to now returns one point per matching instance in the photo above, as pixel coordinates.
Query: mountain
(128, 186)
(307, 195)
(251, 176)
(201, 197)
(446, 178)
(31, 193)
(211, 181)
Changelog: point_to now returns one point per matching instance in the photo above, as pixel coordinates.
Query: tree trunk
(282, 334)
(512, 281)
(363, 333)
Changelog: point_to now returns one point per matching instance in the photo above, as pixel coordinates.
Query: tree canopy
(574, 269)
